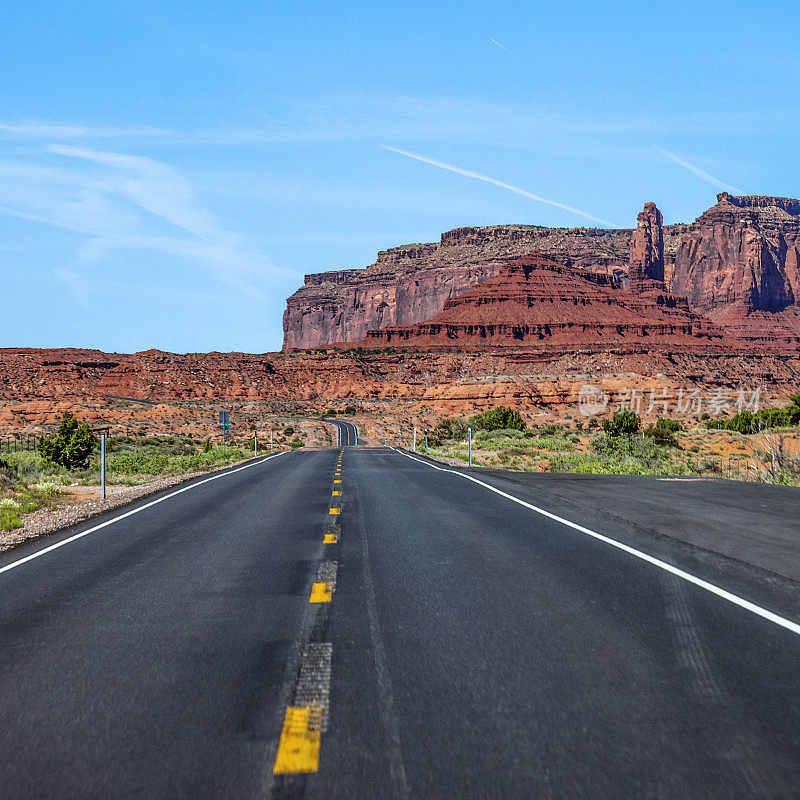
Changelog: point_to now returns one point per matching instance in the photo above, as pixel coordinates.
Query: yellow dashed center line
(330, 538)
(337, 481)
(335, 492)
(298, 748)
(320, 593)
(335, 510)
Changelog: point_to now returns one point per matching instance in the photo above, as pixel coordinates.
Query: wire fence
(18, 444)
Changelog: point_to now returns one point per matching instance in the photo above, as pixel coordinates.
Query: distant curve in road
(347, 432)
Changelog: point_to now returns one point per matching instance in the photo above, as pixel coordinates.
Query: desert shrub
(483, 435)
(297, 443)
(207, 446)
(545, 430)
(623, 423)
(47, 489)
(70, 446)
(288, 431)
(349, 410)
(144, 462)
(663, 432)
(448, 428)
(9, 518)
(8, 473)
(499, 418)
(747, 422)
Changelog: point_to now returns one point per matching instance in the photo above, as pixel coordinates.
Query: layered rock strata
(411, 283)
(537, 378)
(536, 300)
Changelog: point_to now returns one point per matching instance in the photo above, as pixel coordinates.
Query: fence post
(103, 466)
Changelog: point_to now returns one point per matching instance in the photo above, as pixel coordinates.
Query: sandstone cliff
(536, 300)
(647, 249)
(738, 263)
(411, 283)
(538, 378)
(742, 250)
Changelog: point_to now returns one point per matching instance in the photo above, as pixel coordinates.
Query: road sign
(224, 424)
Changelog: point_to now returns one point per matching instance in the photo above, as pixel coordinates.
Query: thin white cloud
(37, 130)
(477, 176)
(502, 47)
(121, 201)
(539, 126)
(153, 186)
(700, 173)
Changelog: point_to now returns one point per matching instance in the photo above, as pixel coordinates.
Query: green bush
(446, 429)
(70, 446)
(663, 432)
(9, 518)
(497, 419)
(503, 433)
(288, 431)
(748, 422)
(297, 443)
(622, 423)
(349, 410)
(8, 473)
(141, 461)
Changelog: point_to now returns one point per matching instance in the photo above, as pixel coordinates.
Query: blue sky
(169, 171)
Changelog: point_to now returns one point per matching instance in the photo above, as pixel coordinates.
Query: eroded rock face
(536, 300)
(543, 376)
(646, 261)
(410, 284)
(742, 252)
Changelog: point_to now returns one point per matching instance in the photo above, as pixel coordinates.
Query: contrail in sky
(466, 173)
(700, 174)
(502, 47)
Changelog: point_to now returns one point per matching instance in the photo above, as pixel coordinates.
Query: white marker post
(270, 441)
(103, 466)
(469, 439)
(255, 444)
(415, 438)
(399, 437)
(426, 442)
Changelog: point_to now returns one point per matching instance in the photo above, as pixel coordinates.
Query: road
(418, 635)
(347, 432)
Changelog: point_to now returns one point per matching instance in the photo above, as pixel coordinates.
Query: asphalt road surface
(419, 635)
(347, 432)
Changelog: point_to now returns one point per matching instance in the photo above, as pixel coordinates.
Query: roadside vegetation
(623, 446)
(31, 480)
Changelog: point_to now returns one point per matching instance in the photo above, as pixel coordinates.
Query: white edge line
(133, 511)
(709, 587)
